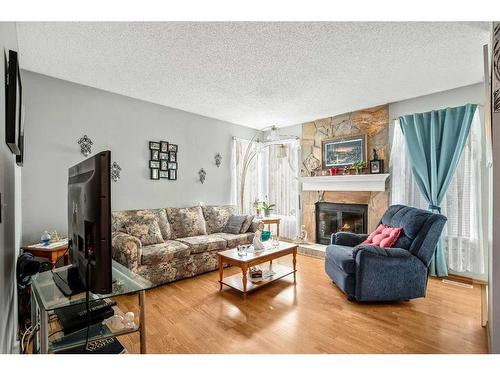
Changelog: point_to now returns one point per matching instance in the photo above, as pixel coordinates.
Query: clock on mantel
(357, 182)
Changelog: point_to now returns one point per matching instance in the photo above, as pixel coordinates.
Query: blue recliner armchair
(372, 273)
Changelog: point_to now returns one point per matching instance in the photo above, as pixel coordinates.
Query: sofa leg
(351, 299)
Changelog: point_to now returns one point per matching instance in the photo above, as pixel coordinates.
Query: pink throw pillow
(383, 236)
(392, 238)
(379, 230)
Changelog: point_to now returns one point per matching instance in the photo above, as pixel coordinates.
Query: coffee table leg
(244, 270)
(294, 264)
(221, 272)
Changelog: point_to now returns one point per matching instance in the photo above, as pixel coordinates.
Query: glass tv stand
(46, 298)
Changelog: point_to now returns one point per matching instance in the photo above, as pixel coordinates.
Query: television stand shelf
(46, 297)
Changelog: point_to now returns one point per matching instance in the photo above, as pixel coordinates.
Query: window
(463, 203)
(272, 175)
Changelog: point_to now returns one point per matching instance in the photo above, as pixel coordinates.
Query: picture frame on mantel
(343, 151)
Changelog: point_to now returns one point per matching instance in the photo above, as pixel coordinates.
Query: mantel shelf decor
(163, 160)
(358, 182)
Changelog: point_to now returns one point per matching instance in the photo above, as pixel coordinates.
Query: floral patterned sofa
(169, 244)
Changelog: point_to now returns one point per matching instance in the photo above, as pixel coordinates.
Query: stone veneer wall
(374, 122)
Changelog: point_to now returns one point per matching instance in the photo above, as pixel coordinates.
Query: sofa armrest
(127, 250)
(388, 274)
(255, 226)
(347, 238)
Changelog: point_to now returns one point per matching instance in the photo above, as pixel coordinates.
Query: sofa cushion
(247, 224)
(216, 217)
(165, 252)
(146, 229)
(342, 257)
(234, 240)
(234, 224)
(186, 222)
(120, 217)
(255, 226)
(199, 244)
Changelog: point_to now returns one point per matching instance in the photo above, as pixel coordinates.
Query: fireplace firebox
(339, 217)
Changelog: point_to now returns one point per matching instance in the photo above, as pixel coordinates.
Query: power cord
(28, 334)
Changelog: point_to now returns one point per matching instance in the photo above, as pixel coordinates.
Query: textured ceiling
(259, 73)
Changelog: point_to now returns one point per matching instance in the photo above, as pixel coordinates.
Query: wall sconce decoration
(85, 145)
(202, 175)
(218, 159)
(115, 171)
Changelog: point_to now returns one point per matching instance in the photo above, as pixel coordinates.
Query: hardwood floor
(312, 316)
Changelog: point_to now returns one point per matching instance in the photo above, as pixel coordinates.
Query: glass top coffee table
(241, 282)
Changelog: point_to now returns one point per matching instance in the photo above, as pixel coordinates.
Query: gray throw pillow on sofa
(234, 224)
(246, 224)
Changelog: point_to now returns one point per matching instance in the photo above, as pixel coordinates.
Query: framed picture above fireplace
(343, 151)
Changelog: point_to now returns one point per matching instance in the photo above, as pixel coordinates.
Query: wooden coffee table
(240, 282)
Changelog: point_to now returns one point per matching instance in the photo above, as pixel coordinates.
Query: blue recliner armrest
(388, 274)
(347, 238)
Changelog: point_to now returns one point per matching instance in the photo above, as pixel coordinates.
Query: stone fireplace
(337, 217)
(368, 191)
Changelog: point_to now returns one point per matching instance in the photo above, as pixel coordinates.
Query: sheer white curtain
(281, 165)
(463, 234)
(252, 179)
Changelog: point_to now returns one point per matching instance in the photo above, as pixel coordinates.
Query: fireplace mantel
(359, 182)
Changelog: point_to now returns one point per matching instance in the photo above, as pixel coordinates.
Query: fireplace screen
(335, 217)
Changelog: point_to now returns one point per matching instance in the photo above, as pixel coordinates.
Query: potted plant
(256, 206)
(358, 166)
(267, 208)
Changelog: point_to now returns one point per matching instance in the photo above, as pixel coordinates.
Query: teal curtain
(435, 141)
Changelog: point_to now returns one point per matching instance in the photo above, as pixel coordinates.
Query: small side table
(272, 220)
(53, 252)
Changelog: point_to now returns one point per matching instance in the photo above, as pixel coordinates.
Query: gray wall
(9, 227)
(58, 113)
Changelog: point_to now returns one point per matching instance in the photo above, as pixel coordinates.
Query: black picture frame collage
(163, 160)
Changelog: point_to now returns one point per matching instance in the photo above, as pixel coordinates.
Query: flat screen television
(13, 104)
(89, 228)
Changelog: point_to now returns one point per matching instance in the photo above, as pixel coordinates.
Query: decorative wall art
(343, 151)
(163, 160)
(85, 145)
(155, 174)
(218, 159)
(203, 175)
(115, 171)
